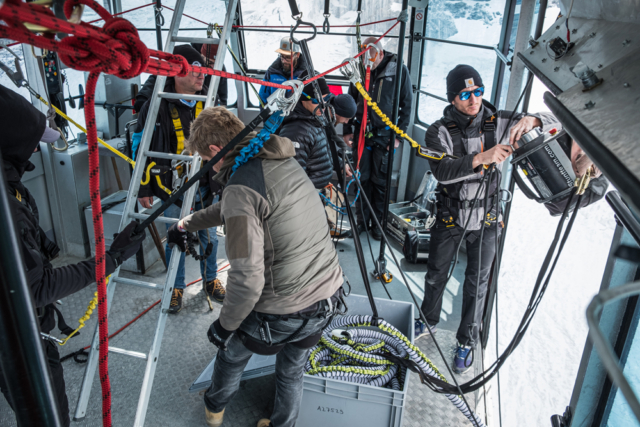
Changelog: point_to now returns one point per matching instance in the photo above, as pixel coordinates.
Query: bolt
(626, 42)
(592, 35)
(589, 105)
(599, 65)
(626, 85)
(557, 27)
(556, 69)
(530, 52)
(575, 30)
(544, 59)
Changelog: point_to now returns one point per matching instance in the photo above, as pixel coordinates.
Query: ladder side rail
(232, 7)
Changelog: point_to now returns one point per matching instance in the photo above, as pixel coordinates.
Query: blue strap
(256, 143)
(135, 141)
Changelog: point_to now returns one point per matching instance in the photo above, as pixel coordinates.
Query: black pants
(442, 249)
(374, 165)
(57, 380)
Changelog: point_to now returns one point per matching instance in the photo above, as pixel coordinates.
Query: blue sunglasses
(466, 95)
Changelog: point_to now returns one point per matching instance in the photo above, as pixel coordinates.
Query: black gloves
(177, 238)
(218, 335)
(125, 245)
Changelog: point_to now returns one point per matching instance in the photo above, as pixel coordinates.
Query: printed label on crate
(331, 410)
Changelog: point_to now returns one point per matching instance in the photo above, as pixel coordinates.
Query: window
(327, 50)
(447, 22)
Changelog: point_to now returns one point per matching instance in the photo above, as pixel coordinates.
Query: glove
(218, 335)
(125, 244)
(178, 238)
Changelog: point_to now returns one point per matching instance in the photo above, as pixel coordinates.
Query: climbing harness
(349, 352)
(177, 124)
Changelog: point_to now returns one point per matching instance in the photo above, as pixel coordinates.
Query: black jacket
(164, 140)
(47, 284)
(310, 141)
(382, 90)
(147, 91)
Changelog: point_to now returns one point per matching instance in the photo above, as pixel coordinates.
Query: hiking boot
(176, 301)
(420, 329)
(463, 359)
(215, 290)
(213, 419)
(264, 423)
(339, 234)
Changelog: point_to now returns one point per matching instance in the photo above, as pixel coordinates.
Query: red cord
(122, 13)
(363, 124)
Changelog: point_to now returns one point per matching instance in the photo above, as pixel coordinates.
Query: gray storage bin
(328, 402)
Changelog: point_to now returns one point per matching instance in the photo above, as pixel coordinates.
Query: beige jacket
(278, 244)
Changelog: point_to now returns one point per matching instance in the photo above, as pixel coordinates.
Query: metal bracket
(350, 70)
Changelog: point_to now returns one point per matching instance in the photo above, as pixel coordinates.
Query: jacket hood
(466, 122)
(275, 148)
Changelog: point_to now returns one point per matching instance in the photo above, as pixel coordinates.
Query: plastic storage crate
(328, 402)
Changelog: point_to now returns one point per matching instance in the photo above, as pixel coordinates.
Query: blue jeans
(290, 361)
(210, 264)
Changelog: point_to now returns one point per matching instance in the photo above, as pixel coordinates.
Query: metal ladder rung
(159, 219)
(139, 283)
(168, 95)
(135, 354)
(168, 156)
(195, 40)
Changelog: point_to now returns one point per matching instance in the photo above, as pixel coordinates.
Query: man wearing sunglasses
(471, 129)
(280, 71)
(171, 130)
(375, 155)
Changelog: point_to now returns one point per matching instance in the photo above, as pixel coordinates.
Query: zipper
(380, 90)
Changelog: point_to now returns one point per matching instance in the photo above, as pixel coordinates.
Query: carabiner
(350, 70)
(293, 30)
(326, 26)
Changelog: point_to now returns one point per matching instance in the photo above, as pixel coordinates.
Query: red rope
(308, 26)
(188, 16)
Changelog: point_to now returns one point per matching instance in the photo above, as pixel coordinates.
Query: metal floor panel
(186, 352)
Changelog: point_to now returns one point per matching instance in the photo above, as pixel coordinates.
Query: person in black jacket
(309, 138)
(23, 128)
(172, 129)
(375, 156)
(221, 97)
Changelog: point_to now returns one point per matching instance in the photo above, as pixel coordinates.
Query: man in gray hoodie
(284, 279)
(472, 130)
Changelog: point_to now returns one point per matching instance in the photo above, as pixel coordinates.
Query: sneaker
(213, 419)
(420, 329)
(463, 359)
(215, 290)
(176, 301)
(264, 423)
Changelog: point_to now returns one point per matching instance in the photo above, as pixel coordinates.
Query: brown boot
(176, 301)
(213, 420)
(215, 290)
(264, 423)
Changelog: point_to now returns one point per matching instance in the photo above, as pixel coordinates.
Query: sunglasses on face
(466, 95)
(197, 73)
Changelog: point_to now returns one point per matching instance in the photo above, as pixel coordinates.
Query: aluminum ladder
(129, 215)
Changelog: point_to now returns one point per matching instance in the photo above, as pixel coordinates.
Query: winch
(545, 164)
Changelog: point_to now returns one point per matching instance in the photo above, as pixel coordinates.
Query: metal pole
(381, 268)
(158, 8)
(517, 78)
(22, 358)
(542, 11)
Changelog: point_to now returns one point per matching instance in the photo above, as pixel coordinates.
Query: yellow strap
(177, 125)
(70, 120)
(147, 178)
(395, 128)
(18, 196)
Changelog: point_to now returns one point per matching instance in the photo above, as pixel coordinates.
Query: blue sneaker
(420, 329)
(463, 359)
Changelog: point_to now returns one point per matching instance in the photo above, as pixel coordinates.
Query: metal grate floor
(186, 352)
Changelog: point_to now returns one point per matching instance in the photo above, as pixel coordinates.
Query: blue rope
(338, 209)
(256, 143)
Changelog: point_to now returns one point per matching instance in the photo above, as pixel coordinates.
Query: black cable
(438, 388)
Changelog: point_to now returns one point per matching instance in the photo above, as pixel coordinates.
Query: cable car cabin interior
(416, 126)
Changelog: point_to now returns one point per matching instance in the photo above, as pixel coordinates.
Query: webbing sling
(488, 129)
(177, 125)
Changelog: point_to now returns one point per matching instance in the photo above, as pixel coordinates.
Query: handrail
(624, 214)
